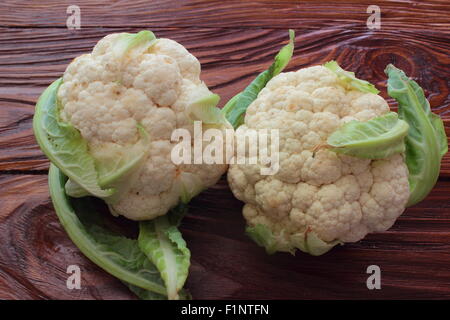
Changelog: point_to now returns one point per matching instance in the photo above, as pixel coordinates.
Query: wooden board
(234, 40)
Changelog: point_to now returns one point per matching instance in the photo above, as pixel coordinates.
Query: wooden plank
(413, 256)
(234, 40)
(36, 251)
(228, 14)
(30, 59)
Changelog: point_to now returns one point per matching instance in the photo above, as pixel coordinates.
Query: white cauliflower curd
(126, 83)
(318, 198)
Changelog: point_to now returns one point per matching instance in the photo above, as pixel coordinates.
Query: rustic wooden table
(234, 40)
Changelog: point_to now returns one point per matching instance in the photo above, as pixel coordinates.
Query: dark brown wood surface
(234, 40)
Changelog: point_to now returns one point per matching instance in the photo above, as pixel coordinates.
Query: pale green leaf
(132, 41)
(116, 254)
(116, 166)
(63, 144)
(348, 78)
(378, 138)
(426, 141)
(236, 107)
(205, 110)
(163, 244)
(309, 242)
(264, 237)
(191, 185)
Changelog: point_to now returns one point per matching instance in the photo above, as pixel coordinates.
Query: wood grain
(36, 252)
(227, 14)
(32, 59)
(234, 40)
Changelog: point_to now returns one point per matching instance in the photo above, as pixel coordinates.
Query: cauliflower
(317, 192)
(129, 82)
(123, 124)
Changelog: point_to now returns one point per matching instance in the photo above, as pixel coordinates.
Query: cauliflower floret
(106, 95)
(336, 197)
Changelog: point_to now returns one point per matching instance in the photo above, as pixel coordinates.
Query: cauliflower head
(318, 198)
(109, 93)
